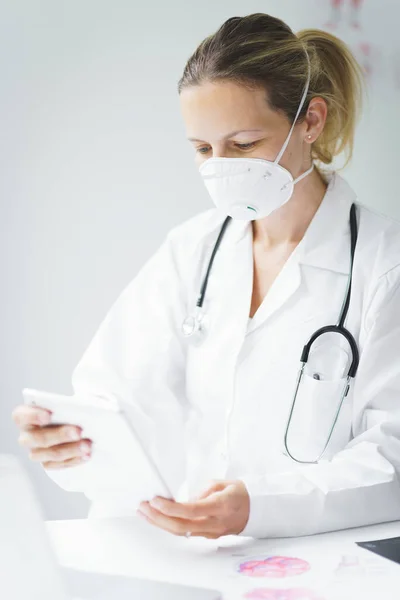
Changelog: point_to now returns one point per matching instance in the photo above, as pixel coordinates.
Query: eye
(246, 146)
(203, 150)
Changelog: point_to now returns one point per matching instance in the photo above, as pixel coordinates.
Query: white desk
(134, 548)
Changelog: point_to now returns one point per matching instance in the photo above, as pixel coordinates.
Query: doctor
(214, 362)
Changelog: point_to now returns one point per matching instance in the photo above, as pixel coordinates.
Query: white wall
(95, 167)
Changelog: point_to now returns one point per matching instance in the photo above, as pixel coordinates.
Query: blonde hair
(259, 50)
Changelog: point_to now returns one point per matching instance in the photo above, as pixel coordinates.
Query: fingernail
(43, 419)
(144, 507)
(73, 435)
(155, 503)
(84, 448)
(86, 457)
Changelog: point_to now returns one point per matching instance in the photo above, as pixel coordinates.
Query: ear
(315, 119)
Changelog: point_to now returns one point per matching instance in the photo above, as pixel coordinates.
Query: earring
(309, 137)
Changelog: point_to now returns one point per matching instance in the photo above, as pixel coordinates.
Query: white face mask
(251, 188)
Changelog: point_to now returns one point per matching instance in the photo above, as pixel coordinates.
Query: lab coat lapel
(282, 289)
(326, 243)
(238, 279)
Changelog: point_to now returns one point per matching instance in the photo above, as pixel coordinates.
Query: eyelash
(247, 146)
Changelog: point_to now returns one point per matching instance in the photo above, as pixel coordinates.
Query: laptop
(28, 566)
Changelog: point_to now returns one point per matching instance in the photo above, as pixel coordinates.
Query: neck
(288, 224)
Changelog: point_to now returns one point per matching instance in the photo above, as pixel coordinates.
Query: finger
(210, 536)
(189, 510)
(44, 437)
(179, 526)
(70, 462)
(62, 452)
(216, 486)
(154, 524)
(28, 416)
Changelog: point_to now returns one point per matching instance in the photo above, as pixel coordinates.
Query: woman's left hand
(223, 509)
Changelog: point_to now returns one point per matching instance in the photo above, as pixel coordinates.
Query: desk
(132, 547)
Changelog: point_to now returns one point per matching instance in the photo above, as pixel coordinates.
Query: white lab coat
(224, 404)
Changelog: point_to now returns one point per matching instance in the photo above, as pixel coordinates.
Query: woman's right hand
(55, 446)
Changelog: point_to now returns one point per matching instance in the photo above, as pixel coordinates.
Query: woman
(260, 105)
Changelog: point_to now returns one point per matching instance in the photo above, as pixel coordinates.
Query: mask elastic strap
(303, 98)
(299, 178)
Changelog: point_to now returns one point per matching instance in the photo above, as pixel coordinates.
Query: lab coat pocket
(330, 357)
(316, 414)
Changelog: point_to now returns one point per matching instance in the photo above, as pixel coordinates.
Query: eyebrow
(227, 136)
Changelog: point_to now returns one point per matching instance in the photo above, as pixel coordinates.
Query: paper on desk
(290, 571)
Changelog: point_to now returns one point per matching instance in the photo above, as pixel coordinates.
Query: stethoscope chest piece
(194, 327)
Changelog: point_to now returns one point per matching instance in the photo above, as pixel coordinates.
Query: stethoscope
(193, 325)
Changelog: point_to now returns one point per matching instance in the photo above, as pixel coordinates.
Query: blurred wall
(95, 167)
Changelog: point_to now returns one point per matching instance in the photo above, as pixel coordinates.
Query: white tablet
(120, 466)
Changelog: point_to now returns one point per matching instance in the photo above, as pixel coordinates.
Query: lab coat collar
(325, 244)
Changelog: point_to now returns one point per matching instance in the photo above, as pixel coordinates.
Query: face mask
(251, 188)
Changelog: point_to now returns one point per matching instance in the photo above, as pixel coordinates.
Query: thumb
(215, 486)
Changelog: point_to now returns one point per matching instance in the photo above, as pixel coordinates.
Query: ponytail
(338, 79)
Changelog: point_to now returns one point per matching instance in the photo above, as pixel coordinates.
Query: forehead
(212, 109)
